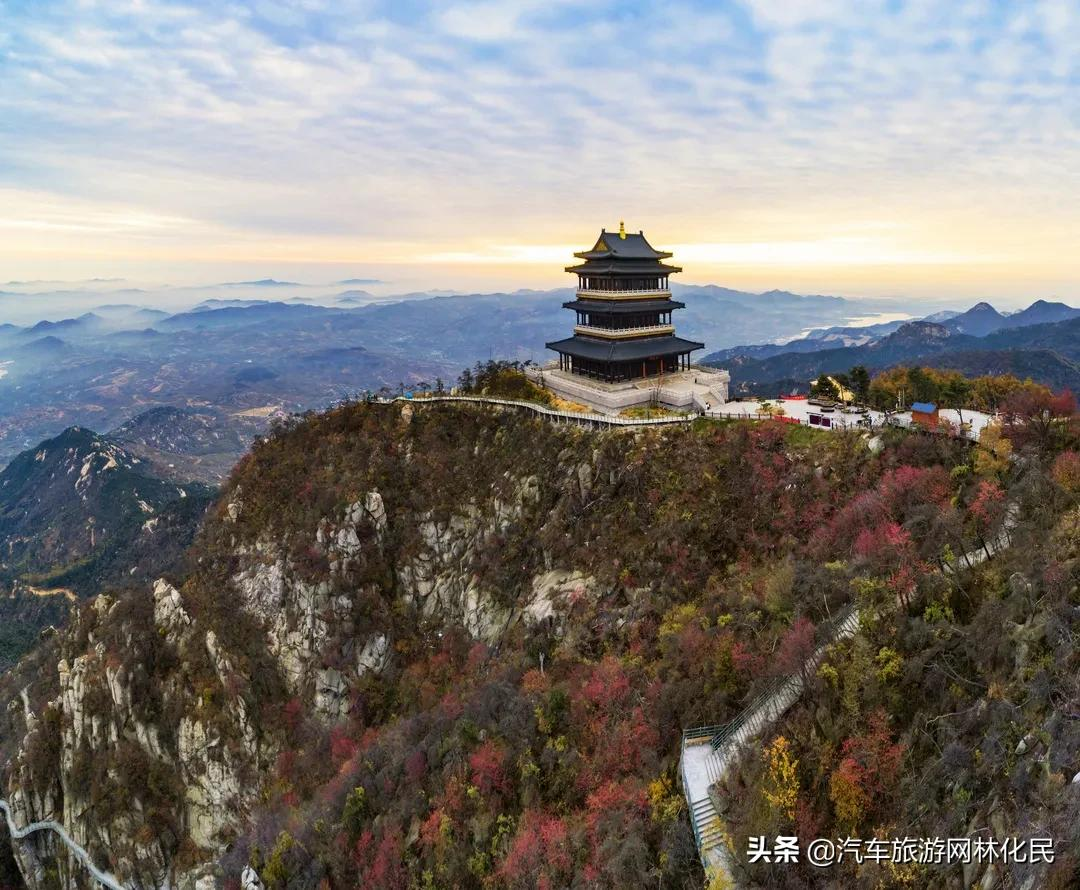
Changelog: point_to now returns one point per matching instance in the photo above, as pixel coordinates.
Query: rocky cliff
(150, 734)
(442, 646)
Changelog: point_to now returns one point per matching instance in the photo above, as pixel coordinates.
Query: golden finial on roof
(622, 230)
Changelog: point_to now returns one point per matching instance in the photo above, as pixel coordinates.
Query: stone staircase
(709, 751)
(706, 823)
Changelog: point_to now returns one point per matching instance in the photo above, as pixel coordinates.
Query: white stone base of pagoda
(695, 389)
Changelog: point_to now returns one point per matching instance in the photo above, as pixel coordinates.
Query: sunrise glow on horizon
(914, 149)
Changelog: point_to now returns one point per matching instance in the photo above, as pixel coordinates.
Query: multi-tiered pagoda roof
(624, 327)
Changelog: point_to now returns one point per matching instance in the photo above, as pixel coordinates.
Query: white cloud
(486, 121)
(793, 14)
(483, 21)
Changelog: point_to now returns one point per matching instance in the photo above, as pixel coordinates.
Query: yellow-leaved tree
(781, 782)
(992, 454)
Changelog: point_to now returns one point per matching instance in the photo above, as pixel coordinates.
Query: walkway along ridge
(597, 420)
(581, 419)
(708, 752)
(102, 877)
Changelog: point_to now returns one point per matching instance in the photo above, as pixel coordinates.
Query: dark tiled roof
(627, 247)
(623, 307)
(617, 266)
(623, 350)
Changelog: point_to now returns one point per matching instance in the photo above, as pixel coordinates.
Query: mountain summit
(980, 320)
(81, 511)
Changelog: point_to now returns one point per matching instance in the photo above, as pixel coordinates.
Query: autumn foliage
(543, 753)
(867, 773)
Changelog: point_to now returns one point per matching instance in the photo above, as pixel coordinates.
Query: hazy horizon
(25, 302)
(384, 281)
(916, 151)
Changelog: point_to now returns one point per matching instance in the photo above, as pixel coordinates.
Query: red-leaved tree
(488, 765)
(539, 854)
(1034, 416)
(796, 649)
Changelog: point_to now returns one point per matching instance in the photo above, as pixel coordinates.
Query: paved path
(796, 409)
(102, 877)
(708, 752)
(583, 419)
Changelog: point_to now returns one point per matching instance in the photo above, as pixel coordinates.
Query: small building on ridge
(925, 414)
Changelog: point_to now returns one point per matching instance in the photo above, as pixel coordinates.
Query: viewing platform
(695, 390)
(615, 333)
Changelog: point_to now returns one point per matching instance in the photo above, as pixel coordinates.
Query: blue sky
(889, 148)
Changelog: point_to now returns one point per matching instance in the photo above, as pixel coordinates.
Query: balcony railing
(627, 294)
(615, 333)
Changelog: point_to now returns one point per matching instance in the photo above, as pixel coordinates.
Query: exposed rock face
(249, 880)
(331, 694)
(152, 749)
(115, 756)
(213, 785)
(374, 655)
(308, 622)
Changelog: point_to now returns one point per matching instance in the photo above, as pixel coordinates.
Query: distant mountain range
(241, 352)
(185, 393)
(84, 512)
(189, 444)
(262, 282)
(238, 355)
(1041, 342)
(982, 318)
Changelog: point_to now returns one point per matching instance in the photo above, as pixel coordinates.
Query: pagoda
(624, 329)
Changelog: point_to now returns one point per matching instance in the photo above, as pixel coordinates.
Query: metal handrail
(649, 291)
(102, 877)
(697, 732)
(826, 634)
(602, 419)
(758, 713)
